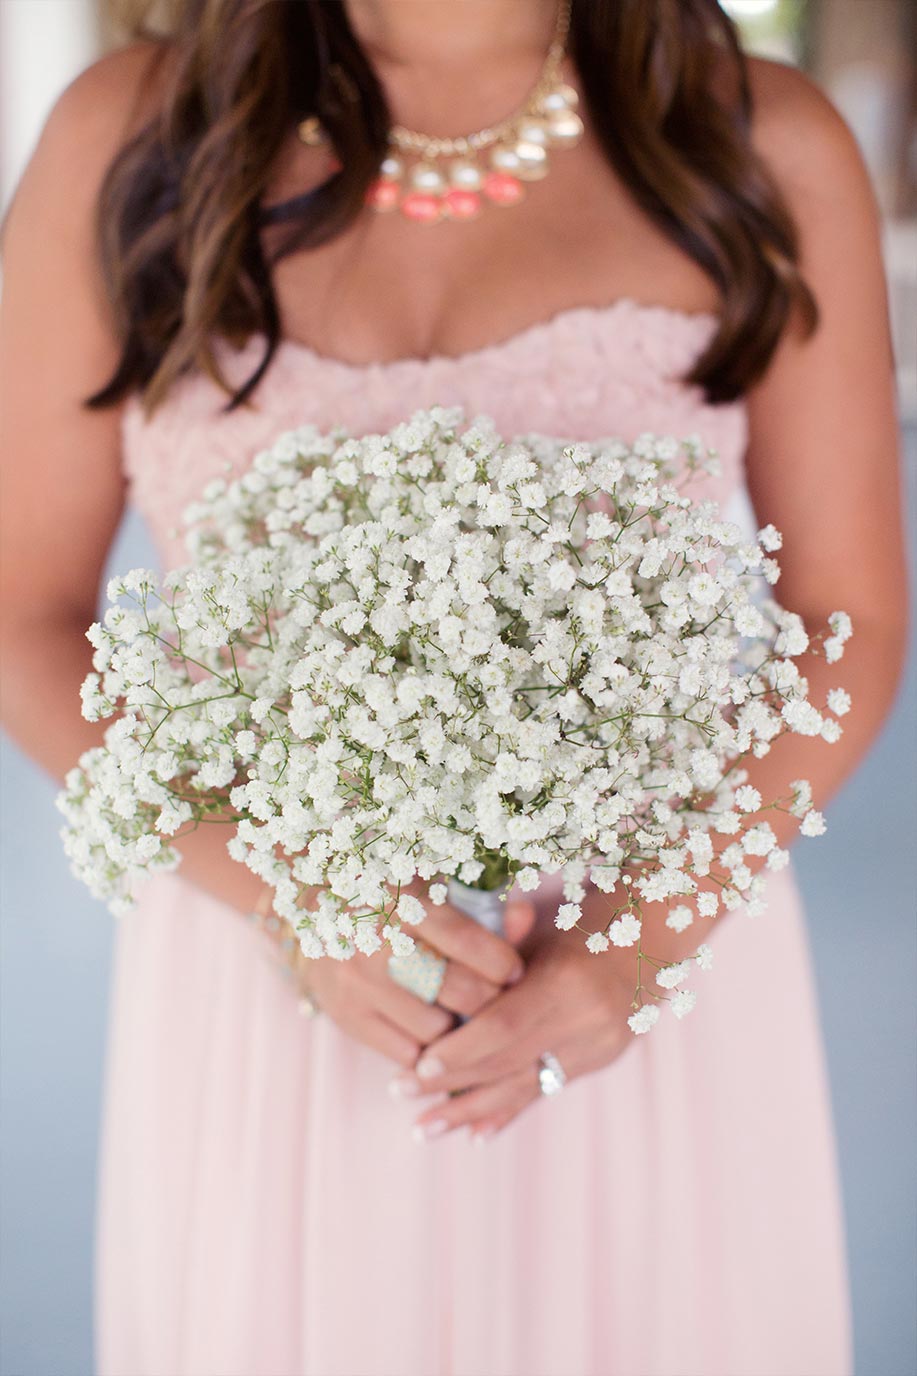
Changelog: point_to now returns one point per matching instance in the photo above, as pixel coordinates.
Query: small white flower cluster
(432, 653)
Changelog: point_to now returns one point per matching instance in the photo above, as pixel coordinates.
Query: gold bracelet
(265, 919)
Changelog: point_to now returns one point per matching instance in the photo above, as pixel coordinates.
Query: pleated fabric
(264, 1210)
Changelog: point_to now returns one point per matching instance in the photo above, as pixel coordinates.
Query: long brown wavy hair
(180, 208)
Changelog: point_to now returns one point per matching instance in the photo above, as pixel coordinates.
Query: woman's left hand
(570, 1002)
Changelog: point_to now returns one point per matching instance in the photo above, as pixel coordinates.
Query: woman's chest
(586, 373)
(385, 288)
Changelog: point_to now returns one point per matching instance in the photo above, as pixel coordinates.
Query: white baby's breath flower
(645, 1018)
(366, 939)
(679, 918)
(802, 717)
(813, 824)
(671, 975)
(528, 878)
(682, 1002)
(438, 894)
(410, 909)
(841, 625)
(402, 943)
(770, 538)
(727, 822)
(759, 840)
(597, 942)
(707, 903)
(625, 930)
(246, 744)
(567, 916)
(801, 791)
(704, 957)
(748, 798)
(839, 702)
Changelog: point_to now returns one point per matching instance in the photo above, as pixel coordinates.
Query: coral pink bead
(503, 188)
(461, 204)
(382, 194)
(421, 206)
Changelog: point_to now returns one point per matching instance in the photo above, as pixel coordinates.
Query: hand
(362, 998)
(571, 1002)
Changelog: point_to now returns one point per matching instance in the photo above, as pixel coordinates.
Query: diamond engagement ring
(551, 1077)
(421, 972)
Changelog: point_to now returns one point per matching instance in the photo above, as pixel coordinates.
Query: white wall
(43, 45)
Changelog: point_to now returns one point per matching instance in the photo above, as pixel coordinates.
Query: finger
(378, 1033)
(425, 1022)
(464, 992)
(503, 1038)
(460, 938)
(485, 1110)
(518, 920)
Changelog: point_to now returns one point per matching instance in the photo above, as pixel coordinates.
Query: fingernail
(517, 974)
(429, 1068)
(482, 1135)
(424, 1131)
(403, 1087)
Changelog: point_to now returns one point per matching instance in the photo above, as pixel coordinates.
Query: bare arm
(63, 489)
(63, 497)
(823, 462)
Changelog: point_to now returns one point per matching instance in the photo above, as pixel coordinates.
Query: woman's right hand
(360, 995)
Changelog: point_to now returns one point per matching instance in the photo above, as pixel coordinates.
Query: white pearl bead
(465, 174)
(504, 159)
(533, 160)
(532, 131)
(392, 168)
(565, 128)
(426, 177)
(561, 98)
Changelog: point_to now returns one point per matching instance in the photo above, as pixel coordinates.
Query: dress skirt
(264, 1211)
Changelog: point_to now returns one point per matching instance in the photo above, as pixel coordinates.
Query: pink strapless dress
(263, 1209)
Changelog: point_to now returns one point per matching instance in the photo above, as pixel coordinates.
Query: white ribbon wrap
(486, 906)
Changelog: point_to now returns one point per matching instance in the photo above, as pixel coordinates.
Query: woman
(703, 254)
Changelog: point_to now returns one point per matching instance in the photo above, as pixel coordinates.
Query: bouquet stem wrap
(486, 906)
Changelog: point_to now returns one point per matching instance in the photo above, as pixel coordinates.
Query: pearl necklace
(430, 179)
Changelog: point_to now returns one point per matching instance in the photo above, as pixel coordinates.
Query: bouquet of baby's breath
(432, 654)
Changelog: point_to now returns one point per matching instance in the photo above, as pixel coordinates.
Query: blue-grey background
(860, 886)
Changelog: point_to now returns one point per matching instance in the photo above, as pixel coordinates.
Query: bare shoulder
(808, 146)
(48, 238)
(61, 464)
(116, 94)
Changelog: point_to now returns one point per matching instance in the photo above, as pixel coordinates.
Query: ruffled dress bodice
(584, 374)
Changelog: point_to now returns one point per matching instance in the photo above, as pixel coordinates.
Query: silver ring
(422, 972)
(551, 1077)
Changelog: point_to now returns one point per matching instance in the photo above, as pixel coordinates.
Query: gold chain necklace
(430, 179)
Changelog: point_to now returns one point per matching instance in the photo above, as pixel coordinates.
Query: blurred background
(54, 958)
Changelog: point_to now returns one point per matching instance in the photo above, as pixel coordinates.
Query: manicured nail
(424, 1131)
(403, 1087)
(517, 974)
(482, 1135)
(429, 1068)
